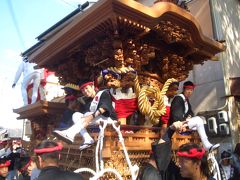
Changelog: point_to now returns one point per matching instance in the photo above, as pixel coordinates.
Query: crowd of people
(96, 105)
(179, 117)
(15, 161)
(17, 164)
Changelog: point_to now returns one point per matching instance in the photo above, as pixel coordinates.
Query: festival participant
(192, 158)
(5, 143)
(22, 165)
(193, 162)
(74, 104)
(48, 154)
(4, 163)
(27, 168)
(181, 110)
(100, 109)
(156, 167)
(227, 170)
(171, 92)
(29, 75)
(16, 152)
(149, 170)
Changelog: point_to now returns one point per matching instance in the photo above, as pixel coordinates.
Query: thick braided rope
(120, 70)
(158, 108)
(166, 85)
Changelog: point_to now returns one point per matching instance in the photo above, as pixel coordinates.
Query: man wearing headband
(4, 163)
(100, 109)
(192, 159)
(160, 156)
(181, 111)
(193, 162)
(22, 164)
(48, 154)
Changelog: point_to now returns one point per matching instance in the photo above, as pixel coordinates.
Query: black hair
(188, 83)
(21, 163)
(225, 154)
(174, 83)
(54, 156)
(204, 167)
(3, 160)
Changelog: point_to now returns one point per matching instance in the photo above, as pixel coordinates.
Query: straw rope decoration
(72, 86)
(157, 109)
(121, 69)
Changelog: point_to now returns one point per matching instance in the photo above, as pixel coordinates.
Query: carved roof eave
(39, 108)
(53, 49)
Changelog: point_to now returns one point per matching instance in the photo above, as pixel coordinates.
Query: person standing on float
(29, 75)
(100, 109)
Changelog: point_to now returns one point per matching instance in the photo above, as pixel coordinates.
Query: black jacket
(148, 172)
(52, 173)
(177, 110)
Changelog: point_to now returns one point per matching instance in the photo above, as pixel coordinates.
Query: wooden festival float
(157, 43)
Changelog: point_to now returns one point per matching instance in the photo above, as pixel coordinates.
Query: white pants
(196, 123)
(77, 127)
(35, 78)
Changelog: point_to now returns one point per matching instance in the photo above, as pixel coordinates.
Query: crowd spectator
(227, 170)
(48, 155)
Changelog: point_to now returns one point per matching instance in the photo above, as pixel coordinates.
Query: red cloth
(42, 83)
(166, 116)
(125, 107)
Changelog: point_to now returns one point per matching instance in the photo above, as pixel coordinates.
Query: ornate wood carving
(172, 32)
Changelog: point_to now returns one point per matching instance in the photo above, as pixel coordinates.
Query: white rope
(85, 170)
(102, 129)
(133, 169)
(215, 167)
(101, 133)
(99, 160)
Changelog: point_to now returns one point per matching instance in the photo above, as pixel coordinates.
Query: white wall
(210, 92)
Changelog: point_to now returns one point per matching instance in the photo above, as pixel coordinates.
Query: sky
(21, 22)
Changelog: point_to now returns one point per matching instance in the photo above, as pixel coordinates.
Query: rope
(99, 160)
(157, 109)
(121, 70)
(214, 168)
(85, 170)
(133, 169)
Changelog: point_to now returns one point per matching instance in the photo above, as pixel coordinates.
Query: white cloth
(30, 75)
(197, 123)
(77, 118)
(95, 101)
(5, 152)
(227, 171)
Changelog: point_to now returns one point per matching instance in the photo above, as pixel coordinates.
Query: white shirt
(227, 171)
